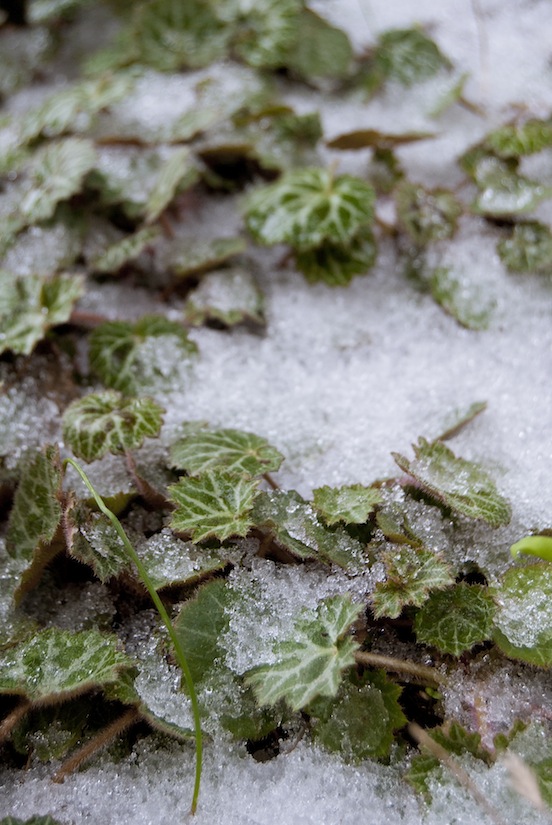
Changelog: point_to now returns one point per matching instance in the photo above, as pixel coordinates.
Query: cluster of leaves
(89, 193)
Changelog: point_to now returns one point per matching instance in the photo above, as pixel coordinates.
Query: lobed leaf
(233, 451)
(410, 574)
(311, 663)
(461, 485)
(120, 253)
(319, 49)
(107, 422)
(456, 619)
(352, 504)
(528, 249)
(523, 622)
(517, 140)
(308, 207)
(217, 503)
(427, 215)
(226, 296)
(261, 30)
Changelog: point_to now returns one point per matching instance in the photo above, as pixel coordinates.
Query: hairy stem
(426, 674)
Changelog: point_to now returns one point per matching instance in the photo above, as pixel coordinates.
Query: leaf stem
(179, 652)
(427, 674)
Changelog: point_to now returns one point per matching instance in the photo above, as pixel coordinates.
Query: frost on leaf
(516, 140)
(234, 451)
(320, 49)
(31, 305)
(410, 574)
(464, 301)
(94, 541)
(217, 503)
(294, 525)
(426, 214)
(310, 664)
(309, 207)
(120, 253)
(226, 296)
(117, 350)
(456, 619)
(107, 422)
(459, 484)
(528, 249)
(193, 256)
(360, 722)
(523, 623)
(337, 264)
(351, 505)
(406, 56)
(262, 30)
(56, 664)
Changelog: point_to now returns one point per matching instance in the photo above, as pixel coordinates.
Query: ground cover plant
(213, 548)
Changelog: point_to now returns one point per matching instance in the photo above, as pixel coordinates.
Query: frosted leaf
(426, 214)
(528, 249)
(351, 505)
(171, 562)
(465, 301)
(55, 663)
(309, 664)
(177, 172)
(232, 450)
(112, 259)
(31, 305)
(117, 351)
(107, 422)
(410, 574)
(261, 31)
(517, 139)
(308, 207)
(459, 484)
(524, 618)
(320, 50)
(95, 542)
(511, 195)
(456, 619)
(227, 296)
(217, 503)
(192, 256)
(34, 820)
(406, 56)
(45, 249)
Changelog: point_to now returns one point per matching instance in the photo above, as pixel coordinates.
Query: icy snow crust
(341, 378)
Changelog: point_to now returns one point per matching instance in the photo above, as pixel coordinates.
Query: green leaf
(460, 418)
(34, 820)
(35, 518)
(464, 301)
(407, 56)
(178, 172)
(456, 619)
(217, 503)
(540, 546)
(410, 574)
(308, 207)
(233, 451)
(118, 353)
(95, 542)
(517, 140)
(200, 625)
(226, 296)
(523, 623)
(427, 215)
(528, 249)
(319, 49)
(510, 194)
(294, 525)
(543, 771)
(170, 562)
(337, 264)
(56, 173)
(309, 664)
(360, 722)
(31, 305)
(107, 422)
(46, 249)
(119, 254)
(461, 485)
(196, 255)
(262, 30)
(351, 505)
(56, 664)
(170, 35)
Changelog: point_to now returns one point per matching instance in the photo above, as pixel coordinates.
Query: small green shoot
(539, 546)
(178, 651)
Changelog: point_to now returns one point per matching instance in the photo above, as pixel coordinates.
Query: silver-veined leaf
(456, 619)
(234, 451)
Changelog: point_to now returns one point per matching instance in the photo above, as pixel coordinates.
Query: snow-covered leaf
(456, 619)
(523, 622)
(410, 574)
(56, 172)
(310, 664)
(461, 485)
(122, 252)
(426, 214)
(217, 503)
(528, 249)
(337, 264)
(226, 296)
(193, 256)
(406, 56)
(171, 562)
(57, 664)
(308, 207)
(464, 301)
(31, 305)
(108, 422)
(233, 451)
(351, 505)
(295, 526)
(95, 542)
(511, 195)
(262, 30)
(360, 722)
(319, 49)
(178, 171)
(116, 349)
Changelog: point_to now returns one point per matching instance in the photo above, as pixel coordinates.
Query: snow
(339, 380)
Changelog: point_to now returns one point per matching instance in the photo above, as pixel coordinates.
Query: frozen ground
(342, 378)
